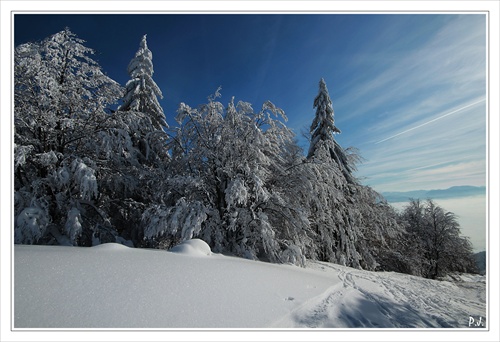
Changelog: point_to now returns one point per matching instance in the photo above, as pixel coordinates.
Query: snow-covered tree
(132, 158)
(60, 93)
(135, 147)
(351, 223)
(323, 132)
(225, 166)
(380, 230)
(435, 233)
(60, 107)
(142, 92)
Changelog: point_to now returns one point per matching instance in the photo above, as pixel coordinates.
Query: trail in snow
(389, 300)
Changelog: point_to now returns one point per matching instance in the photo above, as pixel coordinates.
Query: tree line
(229, 174)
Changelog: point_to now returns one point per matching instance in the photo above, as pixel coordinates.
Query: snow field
(113, 286)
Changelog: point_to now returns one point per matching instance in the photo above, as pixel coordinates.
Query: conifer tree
(140, 131)
(142, 92)
(322, 132)
(350, 225)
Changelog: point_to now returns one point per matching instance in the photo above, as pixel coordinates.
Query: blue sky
(408, 90)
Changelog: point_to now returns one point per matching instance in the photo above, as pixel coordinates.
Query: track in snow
(388, 300)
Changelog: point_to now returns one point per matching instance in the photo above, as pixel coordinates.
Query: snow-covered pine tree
(142, 92)
(60, 107)
(350, 222)
(135, 147)
(331, 214)
(323, 132)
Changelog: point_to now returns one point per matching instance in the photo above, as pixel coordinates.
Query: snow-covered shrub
(192, 247)
(31, 225)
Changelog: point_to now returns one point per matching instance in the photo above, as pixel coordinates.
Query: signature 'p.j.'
(476, 322)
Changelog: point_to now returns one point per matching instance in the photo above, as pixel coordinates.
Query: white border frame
(7, 7)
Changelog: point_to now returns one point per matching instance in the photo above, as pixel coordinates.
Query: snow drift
(113, 286)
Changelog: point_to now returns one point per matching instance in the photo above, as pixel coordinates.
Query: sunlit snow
(114, 286)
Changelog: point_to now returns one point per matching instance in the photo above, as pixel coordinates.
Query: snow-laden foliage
(228, 159)
(60, 105)
(83, 176)
(236, 193)
(184, 218)
(73, 225)
(132, 151)
(323, 130)
(435, 234)
(32, 223)
(61, 94)
(350, 223)
(142, 92)
(73, 153)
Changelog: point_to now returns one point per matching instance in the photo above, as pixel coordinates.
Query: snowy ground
(113, 286)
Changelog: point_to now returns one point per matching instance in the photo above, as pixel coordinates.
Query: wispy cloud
(455, 139)
(451, 66)
(442, 163)
(433, 120)
(421, 123)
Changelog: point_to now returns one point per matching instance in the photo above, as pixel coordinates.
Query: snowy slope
(113, 286)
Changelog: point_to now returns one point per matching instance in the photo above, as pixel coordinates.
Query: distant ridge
(453, 192)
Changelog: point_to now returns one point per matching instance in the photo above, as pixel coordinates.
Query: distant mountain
(453, 192)
(481, 262)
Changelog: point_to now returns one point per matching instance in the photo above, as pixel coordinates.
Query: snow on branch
(184, 219)
(31, 225)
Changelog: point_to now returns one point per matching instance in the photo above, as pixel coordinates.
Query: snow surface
(114, 286)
